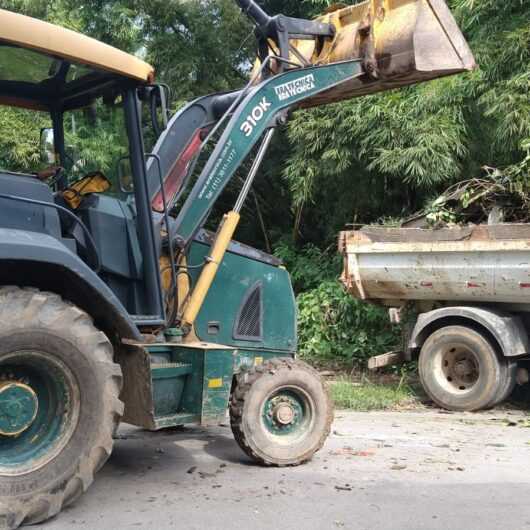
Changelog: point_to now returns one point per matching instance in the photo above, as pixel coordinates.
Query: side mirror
(125, 175)
(157, 99)
(47, 146)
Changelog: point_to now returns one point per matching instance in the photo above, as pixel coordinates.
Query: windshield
(29, 66)
(96, 140)
(20, 64)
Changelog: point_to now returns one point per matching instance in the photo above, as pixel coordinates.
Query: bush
(334, 326)
(308, 266)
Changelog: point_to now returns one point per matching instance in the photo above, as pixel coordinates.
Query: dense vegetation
(375, 159)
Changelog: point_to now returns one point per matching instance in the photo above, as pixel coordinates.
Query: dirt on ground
(411, 470)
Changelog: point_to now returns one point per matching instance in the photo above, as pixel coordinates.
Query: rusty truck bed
(475, 263)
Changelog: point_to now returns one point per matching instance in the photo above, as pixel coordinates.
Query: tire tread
(244, 382)
(56, 313)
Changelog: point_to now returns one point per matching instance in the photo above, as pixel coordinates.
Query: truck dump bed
(476, 263)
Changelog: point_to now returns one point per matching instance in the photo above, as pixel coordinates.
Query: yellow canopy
(54, 40)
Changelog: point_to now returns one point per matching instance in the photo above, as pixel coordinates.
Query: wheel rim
(288, 413)
(19, 405)
(457, 368)
(39, 409)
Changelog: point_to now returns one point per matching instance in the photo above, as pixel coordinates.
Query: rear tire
(53, 348)
(280, 412)
(507, 387)
(461, 370)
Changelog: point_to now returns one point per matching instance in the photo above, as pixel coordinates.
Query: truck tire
(461, 370)
(280, 412)
(59, 404)
(508, 384)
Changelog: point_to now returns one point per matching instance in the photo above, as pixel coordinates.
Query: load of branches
(493, 199)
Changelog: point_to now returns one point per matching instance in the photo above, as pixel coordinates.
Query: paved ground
(407, 470)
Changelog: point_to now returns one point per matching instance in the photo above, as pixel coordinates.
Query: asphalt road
(378, 471)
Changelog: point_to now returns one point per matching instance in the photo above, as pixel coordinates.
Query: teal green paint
(299, 409)
(176, 390)
(218, 367)
(50, 422)
(167, 387)
(18, 408)
(191, 402)
(246, 127)
(172, 371)
(236, 275)
(197, 389)
(185, 391)
(173, 334)
(167, 394)
(247, 358)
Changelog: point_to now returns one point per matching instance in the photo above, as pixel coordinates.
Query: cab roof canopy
(44, 67)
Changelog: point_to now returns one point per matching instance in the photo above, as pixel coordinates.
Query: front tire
(280, 412)
(59, 395)
(461, 370)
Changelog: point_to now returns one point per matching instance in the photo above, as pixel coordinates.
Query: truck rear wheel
(461, 370)
(510, 380)
(59, 404)
(280, 412)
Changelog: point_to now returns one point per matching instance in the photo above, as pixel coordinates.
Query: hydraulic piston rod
(222, 240)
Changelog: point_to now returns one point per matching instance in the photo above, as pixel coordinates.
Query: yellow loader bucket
(401, 42)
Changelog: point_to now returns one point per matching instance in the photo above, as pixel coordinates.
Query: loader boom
(373, 46)
(255, 114)
(254, 11)
(280, 30)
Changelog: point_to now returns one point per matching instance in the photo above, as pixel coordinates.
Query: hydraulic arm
(257, 112)
(369, 47)
(278, 31)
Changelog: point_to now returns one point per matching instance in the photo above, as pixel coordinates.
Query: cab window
(96, 140)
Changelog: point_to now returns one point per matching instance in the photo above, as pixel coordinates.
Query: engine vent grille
(249, 322)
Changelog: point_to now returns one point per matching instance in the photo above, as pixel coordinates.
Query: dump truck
(462, 295)
(115, 303)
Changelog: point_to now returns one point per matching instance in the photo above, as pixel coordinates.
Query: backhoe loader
(115, 303)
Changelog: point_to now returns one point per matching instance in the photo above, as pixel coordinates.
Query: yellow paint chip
(215, 383)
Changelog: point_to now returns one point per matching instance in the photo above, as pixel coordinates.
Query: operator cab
(89, 189)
